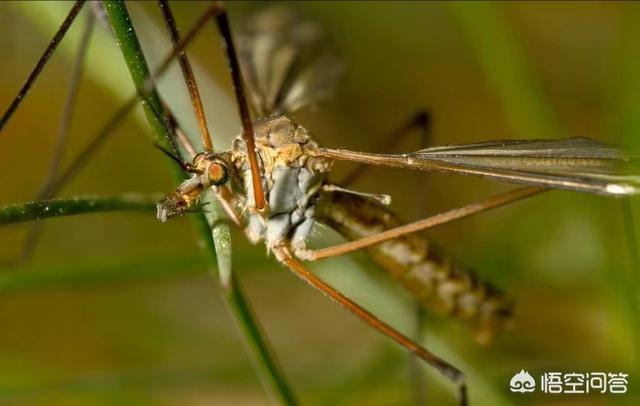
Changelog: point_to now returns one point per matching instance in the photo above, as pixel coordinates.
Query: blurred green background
(119, 309)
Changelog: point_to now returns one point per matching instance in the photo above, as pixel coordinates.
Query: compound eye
(217, 173)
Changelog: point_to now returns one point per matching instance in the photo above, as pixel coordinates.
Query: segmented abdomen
(440, 284)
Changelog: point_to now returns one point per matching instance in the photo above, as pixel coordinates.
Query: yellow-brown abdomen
(440, 284)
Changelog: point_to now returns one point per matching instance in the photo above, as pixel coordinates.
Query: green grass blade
(219, 241)
(19, 213)
(216, 233)
(264, 363)
(132, 52)
(625, 91)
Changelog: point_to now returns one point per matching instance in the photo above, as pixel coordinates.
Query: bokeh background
(119, 309)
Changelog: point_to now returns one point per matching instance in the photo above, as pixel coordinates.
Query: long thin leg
(418, 380)
(63, 132)
(94, 146)
(108, 129)
(446, 369)
(223, 192)
(442, 218)
(57, 38)
(247, 125)
(212, 231)
(69, 106)
(53, 186)
(415, 369)
(187, 73)
(196, 101)
(420, 121)
(254, 337)
(238, 305)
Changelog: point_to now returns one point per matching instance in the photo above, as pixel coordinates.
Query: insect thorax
(291, 180)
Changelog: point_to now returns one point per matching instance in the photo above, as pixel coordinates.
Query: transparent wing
(285, 61)
(578, 164)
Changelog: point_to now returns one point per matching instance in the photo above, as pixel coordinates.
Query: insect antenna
(57, 38)
(186, 166)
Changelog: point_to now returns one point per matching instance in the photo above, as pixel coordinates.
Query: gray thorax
(291, 180)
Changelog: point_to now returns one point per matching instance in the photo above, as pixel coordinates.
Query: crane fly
(274, 181)
(293, 191)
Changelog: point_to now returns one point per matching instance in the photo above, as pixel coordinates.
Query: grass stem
(213, 229)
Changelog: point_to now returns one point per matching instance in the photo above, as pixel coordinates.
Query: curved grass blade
(109, 128)
(625, 88)
(214, 231)
(139, 71)
(19, 213)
